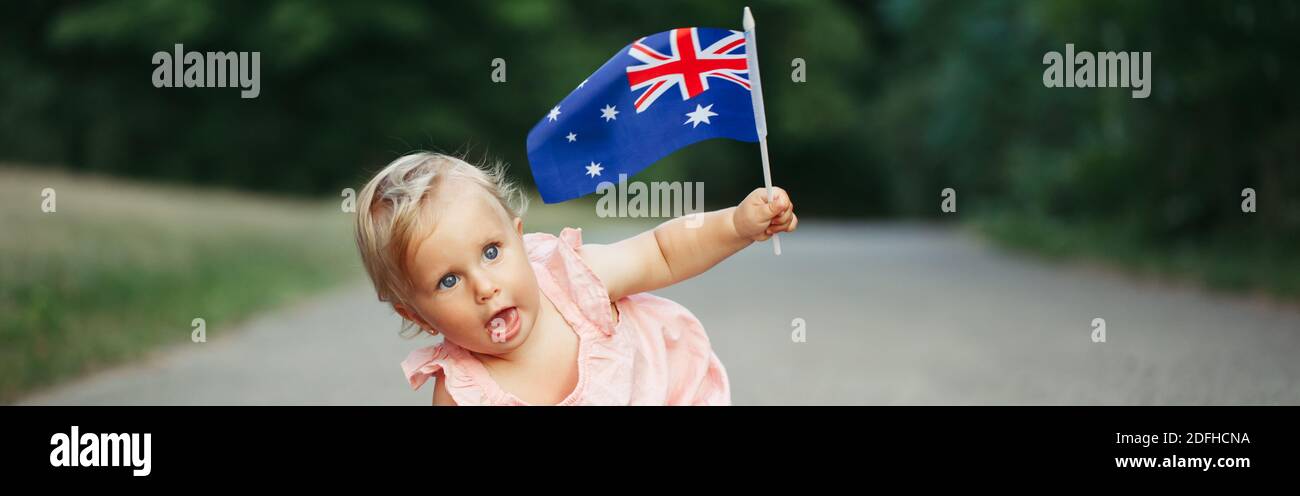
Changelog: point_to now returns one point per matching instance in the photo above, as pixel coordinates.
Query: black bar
(228, 445)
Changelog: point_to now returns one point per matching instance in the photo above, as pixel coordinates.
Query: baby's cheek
(467, 338)
(521, 275)
(451, 318)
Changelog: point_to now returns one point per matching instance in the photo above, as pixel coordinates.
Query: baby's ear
(407, 314)
(519, 225)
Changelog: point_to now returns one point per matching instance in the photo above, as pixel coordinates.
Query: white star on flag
(572, 137)
(701, 114)
(594, 169)
(555, 113)
(584, 82)
(608, 113)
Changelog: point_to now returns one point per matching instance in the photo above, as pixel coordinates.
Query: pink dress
(657, 354)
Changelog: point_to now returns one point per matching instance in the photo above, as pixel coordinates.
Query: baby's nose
(487, 290)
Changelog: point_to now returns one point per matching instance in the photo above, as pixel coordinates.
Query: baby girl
(536, 319)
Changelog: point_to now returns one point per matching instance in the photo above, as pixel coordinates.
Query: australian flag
(656, 95)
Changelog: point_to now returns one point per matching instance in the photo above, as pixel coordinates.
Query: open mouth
(504, 325)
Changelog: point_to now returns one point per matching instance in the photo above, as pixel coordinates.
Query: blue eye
(491, 252)
(448, 281)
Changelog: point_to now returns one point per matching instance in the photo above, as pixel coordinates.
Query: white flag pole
(760, 120)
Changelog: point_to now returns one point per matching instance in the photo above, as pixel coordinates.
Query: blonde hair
(391, 212)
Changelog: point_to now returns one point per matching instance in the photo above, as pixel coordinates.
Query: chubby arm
(440, 395)
(685, 247)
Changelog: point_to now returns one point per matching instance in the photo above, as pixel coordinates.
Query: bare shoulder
(599, 257)
(617, 265)
(440, 395)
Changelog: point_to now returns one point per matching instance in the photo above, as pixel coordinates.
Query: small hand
(758, 219)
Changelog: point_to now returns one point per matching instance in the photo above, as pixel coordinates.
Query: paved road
(894, 314)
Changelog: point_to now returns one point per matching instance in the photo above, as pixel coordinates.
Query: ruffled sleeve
(461, 383)
(421, 364)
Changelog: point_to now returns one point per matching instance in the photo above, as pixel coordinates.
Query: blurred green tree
(903, 98)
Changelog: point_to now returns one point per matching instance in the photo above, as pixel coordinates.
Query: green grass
(1255, 263)
(121, 268)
